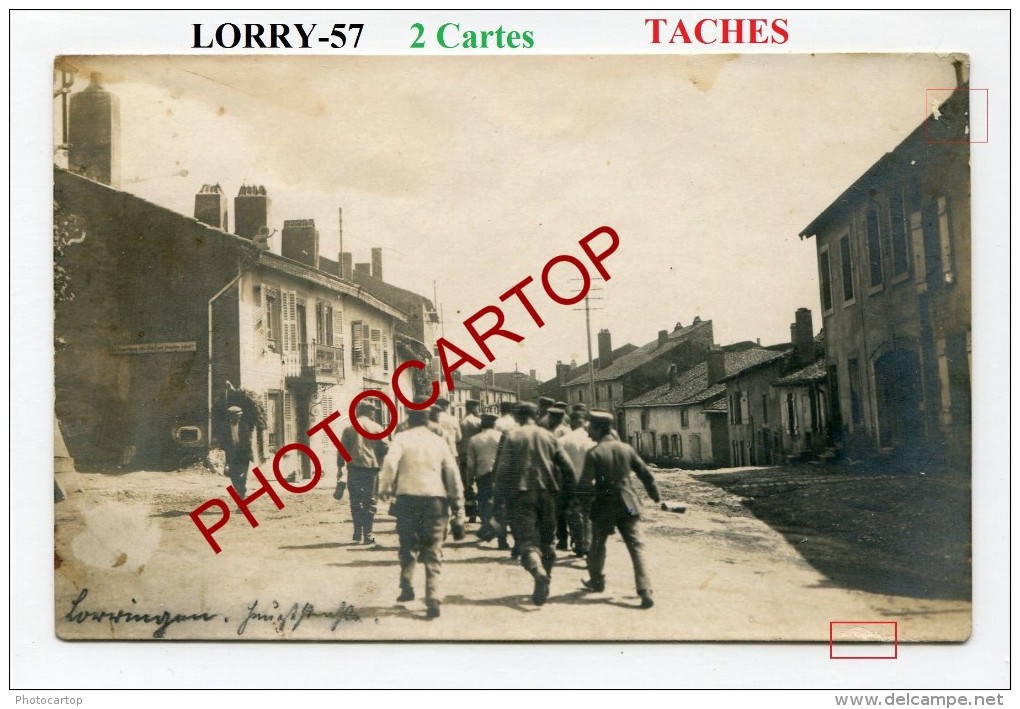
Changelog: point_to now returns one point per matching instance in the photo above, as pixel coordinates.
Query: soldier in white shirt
(420, 472)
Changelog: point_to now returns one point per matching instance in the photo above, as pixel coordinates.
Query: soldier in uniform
(615, 503)
(362, 471)
(576, 445)
(544, 402)
(532, 471)
(469, 426)
(506, 421)
(420, 472)
(479, 464)
(448, 425)
(238, 449)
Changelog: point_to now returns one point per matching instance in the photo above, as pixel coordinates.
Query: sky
(472, 172)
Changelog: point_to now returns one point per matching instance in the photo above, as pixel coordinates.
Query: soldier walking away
(506, 421)
(532, 471)
(237, 448)
(362, 472)
(469, 426)
(615, 504)
(420, 473)
(576, 445)
(479, 464)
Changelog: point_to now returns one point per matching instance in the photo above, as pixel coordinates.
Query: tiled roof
(692, 386)
(475, 381)
(814, 372)
(642, 355)
(718, 406)
(756, 358)
(552, 386)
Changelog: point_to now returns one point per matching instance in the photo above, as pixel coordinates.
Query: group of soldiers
(534, 473)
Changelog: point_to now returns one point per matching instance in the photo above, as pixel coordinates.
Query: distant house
(556, 388)
(766, 421)
(171, 315)
(482, 388)
(895, 281)
(642, 369)
(684, 421)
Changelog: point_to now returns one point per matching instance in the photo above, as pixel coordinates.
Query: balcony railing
(315, 362)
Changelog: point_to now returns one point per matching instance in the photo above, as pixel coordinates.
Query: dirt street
(719, 573)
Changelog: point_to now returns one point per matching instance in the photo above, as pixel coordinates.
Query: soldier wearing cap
(576, 445)
(238, 449)
(469, 426)
(554, 423)
(362, 471)
(544, 402)
(448, 425)
(615, 504)
(558, 419)
(531, 473)
(420, 473)
(506, 421)
(479, 464)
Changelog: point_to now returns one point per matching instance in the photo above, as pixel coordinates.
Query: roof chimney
(803, 337)
(211, 206)
(93, 134)
(562, 371)
(363, 269)
(605, 349)
(347, 265)
(716, 363)
(300, 241)
(663, 336)
(532, 374)
(377, 263)
(490, 377)
(251, 211)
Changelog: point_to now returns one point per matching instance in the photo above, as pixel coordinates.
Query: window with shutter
(375, 337)
(288, 416)
(272, 313)
(358, 353)
(258, 320)
(385, 354)
(945, 241)
(290, 339)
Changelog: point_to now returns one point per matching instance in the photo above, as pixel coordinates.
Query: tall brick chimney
(377, 263)
(93, 134)
(605, 349)
(300, 241)
(562, 371)
(803, 337)
(212, 207)
(251, 210)
(716, 362)
(347, 265)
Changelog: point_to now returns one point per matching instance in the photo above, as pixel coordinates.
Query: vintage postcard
(531, 348)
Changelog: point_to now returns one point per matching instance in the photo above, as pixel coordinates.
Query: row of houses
(168, 316)
(889, 372)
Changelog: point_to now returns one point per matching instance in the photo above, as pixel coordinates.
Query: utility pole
(587, 325)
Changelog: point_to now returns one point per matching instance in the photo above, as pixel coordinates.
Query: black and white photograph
(509, 349)
(489, 348)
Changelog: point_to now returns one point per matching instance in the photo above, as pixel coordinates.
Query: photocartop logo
(596, 246)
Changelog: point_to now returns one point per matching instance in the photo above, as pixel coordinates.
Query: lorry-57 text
(275, 36)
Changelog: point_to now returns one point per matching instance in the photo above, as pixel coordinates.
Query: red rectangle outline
(896, 639)
(927, 115)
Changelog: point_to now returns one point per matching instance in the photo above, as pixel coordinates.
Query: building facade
(895, 279)
(170, 314)
(620, 379)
